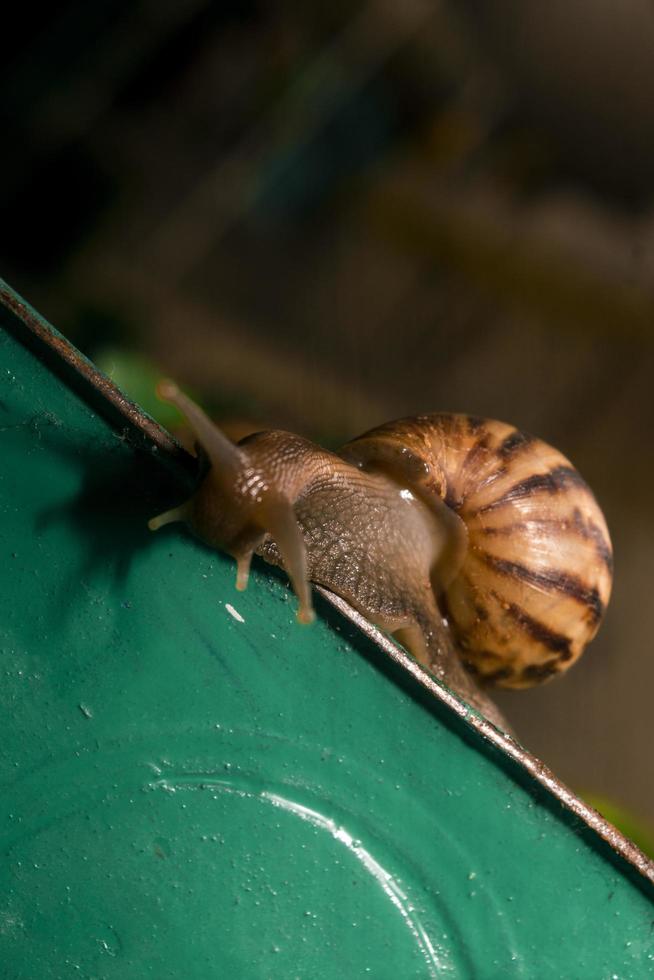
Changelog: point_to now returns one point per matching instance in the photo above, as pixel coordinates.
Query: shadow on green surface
(108, 516)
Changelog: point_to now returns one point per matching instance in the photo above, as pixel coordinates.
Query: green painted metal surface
(194, 786)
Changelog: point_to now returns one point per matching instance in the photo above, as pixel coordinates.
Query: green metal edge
(399, 732)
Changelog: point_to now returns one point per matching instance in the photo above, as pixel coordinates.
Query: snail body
(421, 521)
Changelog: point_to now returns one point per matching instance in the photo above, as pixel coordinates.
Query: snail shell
(533, 583)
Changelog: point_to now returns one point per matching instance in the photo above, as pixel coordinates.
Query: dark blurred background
(324, 216)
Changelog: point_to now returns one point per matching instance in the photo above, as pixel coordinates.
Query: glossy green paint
(195, 786)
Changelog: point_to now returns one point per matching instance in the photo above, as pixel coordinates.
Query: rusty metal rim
(106, 393)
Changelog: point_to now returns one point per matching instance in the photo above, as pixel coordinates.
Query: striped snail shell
(534, 580)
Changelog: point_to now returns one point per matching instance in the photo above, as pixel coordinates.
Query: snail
(479, 547)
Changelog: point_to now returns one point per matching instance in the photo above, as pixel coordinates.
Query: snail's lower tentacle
(169, 517)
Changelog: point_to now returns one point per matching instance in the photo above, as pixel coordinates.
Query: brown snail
(435, 528)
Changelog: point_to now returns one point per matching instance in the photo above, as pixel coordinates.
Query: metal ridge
(619, 843)
(100, 390)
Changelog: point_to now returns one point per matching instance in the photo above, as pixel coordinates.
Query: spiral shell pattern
(536, 576)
